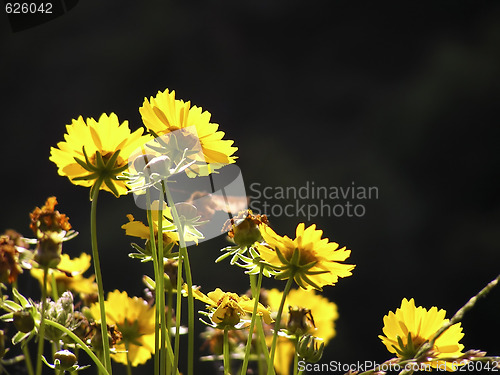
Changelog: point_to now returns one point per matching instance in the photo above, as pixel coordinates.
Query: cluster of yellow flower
(274, 329)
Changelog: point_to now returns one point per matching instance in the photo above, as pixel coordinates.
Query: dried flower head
(48, 219)
(9, 261)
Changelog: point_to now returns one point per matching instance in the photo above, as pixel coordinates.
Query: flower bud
(23, 321)
(160, 165)
(49, 249)
(300, 320)
(244, 228)
(141, 161)
(170, 267)
(66, 359)
(308, 348)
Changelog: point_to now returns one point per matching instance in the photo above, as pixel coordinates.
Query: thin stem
(277, 324)
(170, 301)
(53, 284)
(183, 258)
(160, 286)
(262, 337)
(296, 358)
(457, 317)
(27, 359)
(81, 344)
(25, 348)
(152, 243)
(255, 294)
(178, 308)
(98, 275)
(129, 365)
(227, 357)
(41, 330)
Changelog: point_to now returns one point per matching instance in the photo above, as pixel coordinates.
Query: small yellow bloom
(94, 150)
(309, 259)
(136, 228)
(69, 275)
(135, 319)
(407, 329)
(164, 114)
(228, 308)
(319, 322)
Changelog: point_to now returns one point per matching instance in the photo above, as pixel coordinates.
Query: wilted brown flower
(9, 260)
(47, 219)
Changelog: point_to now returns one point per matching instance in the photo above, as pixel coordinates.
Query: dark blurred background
(401, 96)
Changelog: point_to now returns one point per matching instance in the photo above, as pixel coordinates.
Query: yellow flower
(228, 308)
(318, 316)
(170, 235)
(164, 114)
(69, 275)
(309, 259)
(97, 150)
(407, 329)
(135, 319)
(136, 228)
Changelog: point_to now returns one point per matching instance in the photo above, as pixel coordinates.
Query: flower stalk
(226, 351)
(183, 258)
(98, 275)
(81, 344)
(277, 323)
(255, 287)
(41, 330)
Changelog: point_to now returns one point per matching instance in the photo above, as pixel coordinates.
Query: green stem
(98, 275)
(459, 315)
(152, 243)
(25, 348)
(296, 357)
(227, 357)
(178, 308)
(160, 286)
(129, 365)
(53, 284)
(262, 337)
(255, 294)
(183, 258)
(81, 344)
(170, 301)
(41, 330)
(277, 324)
(27, 359)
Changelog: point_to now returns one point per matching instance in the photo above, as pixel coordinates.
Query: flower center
(105, 157)
(130, 332)
(411, 348)
(307, 256)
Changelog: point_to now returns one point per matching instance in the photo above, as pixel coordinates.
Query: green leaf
(20, 336)
(11, 306)
(22, 300)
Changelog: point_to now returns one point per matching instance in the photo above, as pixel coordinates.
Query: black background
(402, 96)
